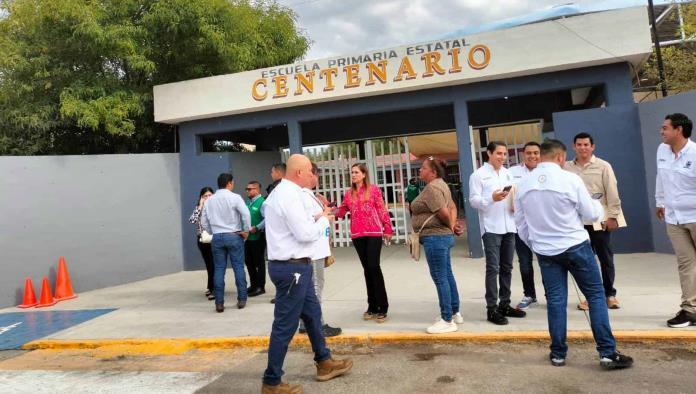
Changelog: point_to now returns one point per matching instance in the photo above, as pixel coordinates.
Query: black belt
(303, 260)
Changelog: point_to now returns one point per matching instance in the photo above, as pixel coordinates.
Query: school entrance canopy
(572, 74)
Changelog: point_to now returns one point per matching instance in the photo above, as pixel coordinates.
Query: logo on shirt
(542, 178)
(328, 232)
(687, 165)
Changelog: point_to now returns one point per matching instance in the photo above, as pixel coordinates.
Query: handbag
(206, 238)
(413, 240)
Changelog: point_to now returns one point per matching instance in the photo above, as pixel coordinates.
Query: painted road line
(105, 382)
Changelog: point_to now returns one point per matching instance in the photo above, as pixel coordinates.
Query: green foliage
(76, 76)
(679, 60)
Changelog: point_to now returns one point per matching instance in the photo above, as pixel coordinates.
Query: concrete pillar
(466, 168)
(295, 136)
(618, 88)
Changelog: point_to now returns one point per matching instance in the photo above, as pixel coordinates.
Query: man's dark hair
(550, 147)
(683, 121)
(531, 143)
(494, 144)
(281, 167)
(224, 179)
(581, 136)
(256, 183)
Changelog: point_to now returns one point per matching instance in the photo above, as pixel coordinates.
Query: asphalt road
(421, 368)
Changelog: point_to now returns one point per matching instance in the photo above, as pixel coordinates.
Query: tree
(76, 76)
(679, 60)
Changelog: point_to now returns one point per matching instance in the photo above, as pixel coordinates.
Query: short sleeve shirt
(435, 196)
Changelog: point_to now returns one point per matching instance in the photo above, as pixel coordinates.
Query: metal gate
(389, 165)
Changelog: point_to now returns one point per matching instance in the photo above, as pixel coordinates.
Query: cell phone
(597, 196)
(332, 204)
(507, 188)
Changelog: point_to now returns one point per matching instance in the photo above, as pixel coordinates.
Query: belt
(303, 260)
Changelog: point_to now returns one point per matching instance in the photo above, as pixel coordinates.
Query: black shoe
(509, 311)
(256, 292)
(683, 319)
(241, 304)
(219, 308)
(273, 300)
(210, 295)
(556, 361)
(616, 361)
(331, 331)
(496, 318)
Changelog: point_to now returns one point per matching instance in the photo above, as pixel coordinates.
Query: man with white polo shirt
(550, 206)
(489, 186)
(675, 197)
(532, 151)
(291, 233)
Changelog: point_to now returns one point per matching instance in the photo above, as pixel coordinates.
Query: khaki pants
(683, 237)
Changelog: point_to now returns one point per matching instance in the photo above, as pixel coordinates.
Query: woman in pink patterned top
(369, 224)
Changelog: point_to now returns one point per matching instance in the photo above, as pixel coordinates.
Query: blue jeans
(437, 253)
(229, 245)
(579, 260)
(295, 299)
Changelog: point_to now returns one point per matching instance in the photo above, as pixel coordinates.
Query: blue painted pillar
(618, 88)
(294, 136)
(466, 168)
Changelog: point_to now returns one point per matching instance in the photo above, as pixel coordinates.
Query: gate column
(294, 136)
(466, 168)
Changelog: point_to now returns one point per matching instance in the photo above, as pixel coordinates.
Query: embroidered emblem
(542, 178)
(687, 165)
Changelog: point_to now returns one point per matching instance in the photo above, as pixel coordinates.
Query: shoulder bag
(413, 241)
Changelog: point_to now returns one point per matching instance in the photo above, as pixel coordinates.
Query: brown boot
(329, 369)
(282, 388)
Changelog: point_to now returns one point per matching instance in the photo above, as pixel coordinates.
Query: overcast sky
(341, 27)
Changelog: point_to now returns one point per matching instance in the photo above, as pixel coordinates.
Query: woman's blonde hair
(366, 182)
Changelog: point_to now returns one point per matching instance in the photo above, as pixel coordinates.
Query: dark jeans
(500, 250)
(295, 299)
(207, 254)
(437, 253)
(580, 262)
(601, 244)
(255, 259)
(229, 245)
(524, 254)
(369, 250)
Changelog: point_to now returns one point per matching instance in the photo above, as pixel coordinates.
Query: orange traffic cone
(46, 297)
(64, 290)
(29, 295)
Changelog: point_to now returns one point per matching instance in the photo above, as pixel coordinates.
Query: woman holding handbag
(369, 224)
(435, 214)
(204, 247)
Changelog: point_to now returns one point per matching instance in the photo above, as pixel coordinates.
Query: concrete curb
(164, 346)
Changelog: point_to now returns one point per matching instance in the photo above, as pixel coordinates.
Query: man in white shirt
(532, 151)
(226, 216)
(291, 233)
(675, 197)
(489, 186)
(550, 206)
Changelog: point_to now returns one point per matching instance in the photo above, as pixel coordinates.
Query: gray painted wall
(115, 218)
(652, 114)
(616, 133)
(201, 169)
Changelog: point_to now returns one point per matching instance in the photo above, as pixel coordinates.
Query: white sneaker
(441, 327)
(458, 318)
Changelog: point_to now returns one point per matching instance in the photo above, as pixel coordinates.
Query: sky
(341, 27)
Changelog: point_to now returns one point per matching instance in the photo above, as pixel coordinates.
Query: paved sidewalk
(173, 306)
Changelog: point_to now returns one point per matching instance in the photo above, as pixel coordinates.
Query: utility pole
(658, 51)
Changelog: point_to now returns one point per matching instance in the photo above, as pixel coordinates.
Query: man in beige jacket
(600, 181)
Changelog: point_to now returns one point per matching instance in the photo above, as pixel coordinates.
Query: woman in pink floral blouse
(369, 224)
